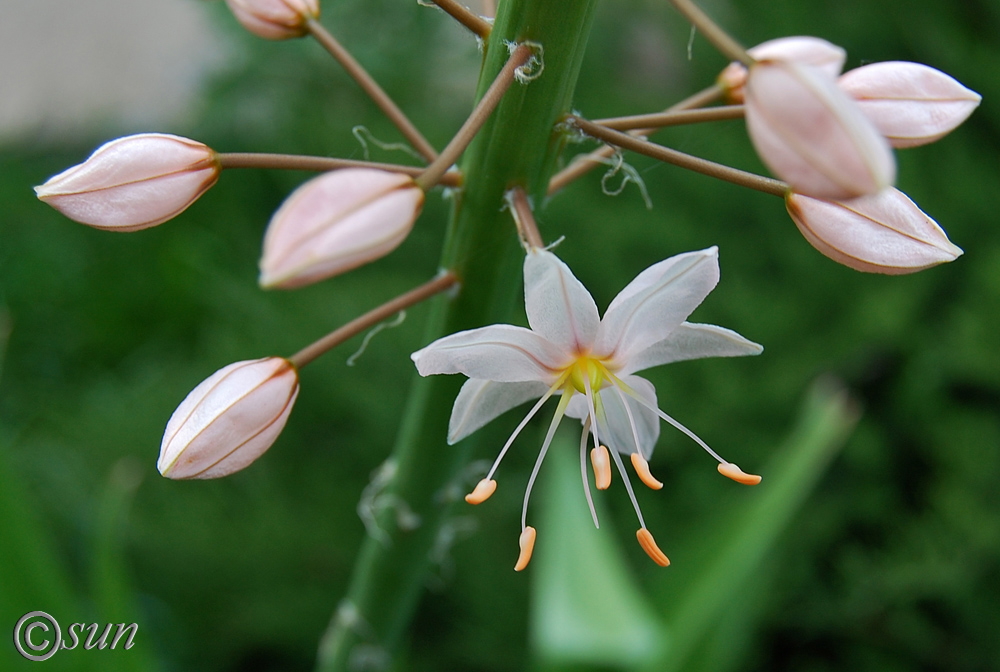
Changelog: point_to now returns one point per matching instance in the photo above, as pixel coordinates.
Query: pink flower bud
(801, 49)
(275, 19)
(882, 233)
(911, 104)
(133, 182)
(229, 420)
(336, 222)
(812, 135)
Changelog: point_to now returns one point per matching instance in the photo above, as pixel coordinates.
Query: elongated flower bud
(911, 104)
(336, 222)
(133, 182)
(812, 135)
(801, 49)
(884, 233)
(229, 420)
(275, 19)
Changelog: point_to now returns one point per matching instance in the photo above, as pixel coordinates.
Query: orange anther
(602, 467)
(730, 470)
(652, 550)
(484, 489)
(642, 468)
(527, 543)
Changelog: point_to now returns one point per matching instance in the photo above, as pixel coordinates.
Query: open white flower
(589, 363)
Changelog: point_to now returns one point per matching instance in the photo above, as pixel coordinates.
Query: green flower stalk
(515, 147)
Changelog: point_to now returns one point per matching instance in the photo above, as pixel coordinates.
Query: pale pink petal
(480, 401)
(655, 303)
(336, 222)
(559, 307)
(885, 233)
(800, 48)
(229, 420)
(274, 19)
(134, 182)
(910, 104)
(812, 135)
(691, 341)
(500, 353)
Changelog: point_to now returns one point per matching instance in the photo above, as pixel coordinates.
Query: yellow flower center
(586, 367)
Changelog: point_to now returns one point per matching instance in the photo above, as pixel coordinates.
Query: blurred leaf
(110, 586)
(32, 578)
(717, 587)
(587, 610)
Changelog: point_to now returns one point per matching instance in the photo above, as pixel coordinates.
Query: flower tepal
(275, 19)
(813, 135)
(336, 222)
(134, 182)
(588, 363)
(229, 420)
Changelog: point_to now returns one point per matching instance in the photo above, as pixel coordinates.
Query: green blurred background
(892, 563)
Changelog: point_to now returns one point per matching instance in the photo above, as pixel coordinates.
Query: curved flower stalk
(589, 363)
(229, 420)
(883, 233)
(812, 135)
(134, 182)
(275, 19)
(336, 222)
(911, 104)
(803, 49)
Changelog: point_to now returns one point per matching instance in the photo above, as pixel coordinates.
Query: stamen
(635, 432)
(602, 467)
(527, 544)
(628, 486)
(648, 545)
(642, 468)
(730, 470)
(482, 492)
(529, 416)
(583, 472)
(556, 419)
(691, 435)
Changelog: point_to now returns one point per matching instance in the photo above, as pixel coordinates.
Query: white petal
(500, 353)
(480, 401)
(617, 432)
(559, 307)
(655, 303)
(692, 341)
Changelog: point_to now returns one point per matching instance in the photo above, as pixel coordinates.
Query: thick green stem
(517, 146)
